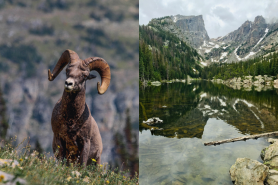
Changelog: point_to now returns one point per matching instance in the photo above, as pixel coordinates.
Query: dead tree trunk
(244, 138)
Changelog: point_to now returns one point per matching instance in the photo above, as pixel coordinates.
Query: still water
(196, 113)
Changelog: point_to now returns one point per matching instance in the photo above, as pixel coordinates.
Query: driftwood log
(244, 138)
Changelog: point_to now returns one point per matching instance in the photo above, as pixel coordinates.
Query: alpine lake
(195, 113)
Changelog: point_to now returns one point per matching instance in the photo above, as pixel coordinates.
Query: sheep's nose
(69, 83)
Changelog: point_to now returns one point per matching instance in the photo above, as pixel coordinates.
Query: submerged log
(244, 138)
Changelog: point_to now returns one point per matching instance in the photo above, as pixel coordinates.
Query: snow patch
(235, 104)
(236, 54)
(223, 55)
(222, 103)
(250, 54)
(204, 64)
(211, 43)
(207, 107)
(203, 95)
(266, 30)
(175, 19)
(207, 50)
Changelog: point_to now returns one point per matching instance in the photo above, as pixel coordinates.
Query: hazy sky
(220, 17)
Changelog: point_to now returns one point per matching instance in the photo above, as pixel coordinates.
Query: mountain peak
(259, 20)
(192, 24)
(190, 29)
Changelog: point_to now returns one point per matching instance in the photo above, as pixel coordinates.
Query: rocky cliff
(188, 28)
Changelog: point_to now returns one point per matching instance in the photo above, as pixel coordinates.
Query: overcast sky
(220, 17)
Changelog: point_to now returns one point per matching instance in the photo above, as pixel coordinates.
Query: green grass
(40, 169)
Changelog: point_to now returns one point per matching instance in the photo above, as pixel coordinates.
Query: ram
(76, 134)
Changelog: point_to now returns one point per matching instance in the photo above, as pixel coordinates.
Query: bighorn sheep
(76, 134)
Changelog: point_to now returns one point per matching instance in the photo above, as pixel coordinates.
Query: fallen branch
(256, 136)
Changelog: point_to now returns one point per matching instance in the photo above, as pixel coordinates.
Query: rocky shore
(246, 82)
(251, 172)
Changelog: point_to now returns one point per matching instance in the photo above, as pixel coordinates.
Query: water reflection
(185, 112)
(199, 113)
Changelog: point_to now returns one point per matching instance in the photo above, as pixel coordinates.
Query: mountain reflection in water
(195, 114)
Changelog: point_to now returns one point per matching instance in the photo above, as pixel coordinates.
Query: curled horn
(101, 66)
(68, 56)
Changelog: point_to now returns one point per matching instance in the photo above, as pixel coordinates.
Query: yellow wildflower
(77, 181)
(58, 146)
(21, 159)
(107, 182)
(123, 176)
(2, 178)
(100, 165)
(94, 160)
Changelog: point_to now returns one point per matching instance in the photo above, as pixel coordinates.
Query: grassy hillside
(37, 168)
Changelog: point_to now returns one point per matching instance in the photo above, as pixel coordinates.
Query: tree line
(267, 65)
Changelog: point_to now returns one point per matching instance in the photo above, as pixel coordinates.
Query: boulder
(248, 172)
(156, 83)
(258, 77)
(272, 178)
(272, 140)
(247, 81)
(271, 155)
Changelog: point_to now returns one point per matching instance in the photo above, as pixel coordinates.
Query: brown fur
(76, 134)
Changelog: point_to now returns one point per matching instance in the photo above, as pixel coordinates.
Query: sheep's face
(76, 77)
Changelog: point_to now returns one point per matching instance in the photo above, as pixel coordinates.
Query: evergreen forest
(163, 56)
(267, 65)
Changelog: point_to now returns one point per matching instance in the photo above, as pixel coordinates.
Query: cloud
(223, 13)
(220, 17)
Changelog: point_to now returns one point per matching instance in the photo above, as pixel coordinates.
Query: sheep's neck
(73, 104)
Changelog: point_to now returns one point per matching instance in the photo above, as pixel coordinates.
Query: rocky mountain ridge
(249, 40)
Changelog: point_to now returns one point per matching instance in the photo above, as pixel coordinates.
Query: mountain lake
(196, 113)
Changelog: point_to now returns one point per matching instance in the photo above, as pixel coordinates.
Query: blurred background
(33, 36)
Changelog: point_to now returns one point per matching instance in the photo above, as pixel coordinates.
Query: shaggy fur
(76, 134)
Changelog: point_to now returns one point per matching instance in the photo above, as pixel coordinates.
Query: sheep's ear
(91, 76)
